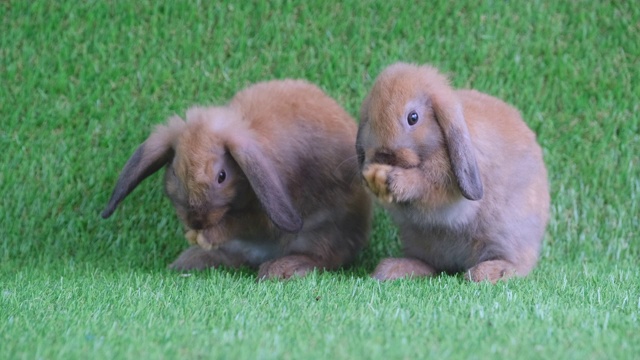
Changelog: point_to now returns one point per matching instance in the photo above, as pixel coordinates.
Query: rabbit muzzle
(200, 219)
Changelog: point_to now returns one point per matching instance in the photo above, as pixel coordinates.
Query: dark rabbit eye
(222, 175)
(412, 118)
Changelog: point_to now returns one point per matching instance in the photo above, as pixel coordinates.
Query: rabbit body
(460, 173)
(268, 181)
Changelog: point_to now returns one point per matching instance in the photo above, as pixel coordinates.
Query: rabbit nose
(385, 157)
(196, 225)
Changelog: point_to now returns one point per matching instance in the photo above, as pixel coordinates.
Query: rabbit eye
(412, 118)
(222, 175)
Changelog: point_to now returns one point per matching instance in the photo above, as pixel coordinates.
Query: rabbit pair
(269, 181)
(460, 173)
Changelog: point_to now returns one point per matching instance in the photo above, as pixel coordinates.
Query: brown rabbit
(460, 173)
(268, 181)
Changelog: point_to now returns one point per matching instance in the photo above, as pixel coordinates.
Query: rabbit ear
(448, 112)
(152, 155)
(266, 183)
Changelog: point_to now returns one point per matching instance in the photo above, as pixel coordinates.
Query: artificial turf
(83, 83)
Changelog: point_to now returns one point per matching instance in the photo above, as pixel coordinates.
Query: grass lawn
(82, 83)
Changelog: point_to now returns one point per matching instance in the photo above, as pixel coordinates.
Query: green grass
(83, 83)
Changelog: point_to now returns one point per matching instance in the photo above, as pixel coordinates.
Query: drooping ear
(448, 112)
(152, 155)
(261, 173)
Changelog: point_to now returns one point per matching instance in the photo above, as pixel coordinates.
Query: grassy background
(83, 83)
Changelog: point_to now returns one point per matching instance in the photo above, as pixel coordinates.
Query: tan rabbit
(460, 173)
(268, 181)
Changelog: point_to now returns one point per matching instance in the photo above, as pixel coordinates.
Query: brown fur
(478, 201)
(290, 200)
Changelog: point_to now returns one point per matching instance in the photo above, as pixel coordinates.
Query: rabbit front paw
(203, 238)
(377, 178)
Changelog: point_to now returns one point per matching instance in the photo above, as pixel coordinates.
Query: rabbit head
(410, 117)
(211, 168)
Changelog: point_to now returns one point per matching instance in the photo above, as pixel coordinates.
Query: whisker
(355, 173)
(344, 161)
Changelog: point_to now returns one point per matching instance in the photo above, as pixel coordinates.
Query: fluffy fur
(460, 173)
(268, 181)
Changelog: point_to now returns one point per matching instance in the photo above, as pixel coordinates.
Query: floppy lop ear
(264, 180)
(152, 155)
(448, 112)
